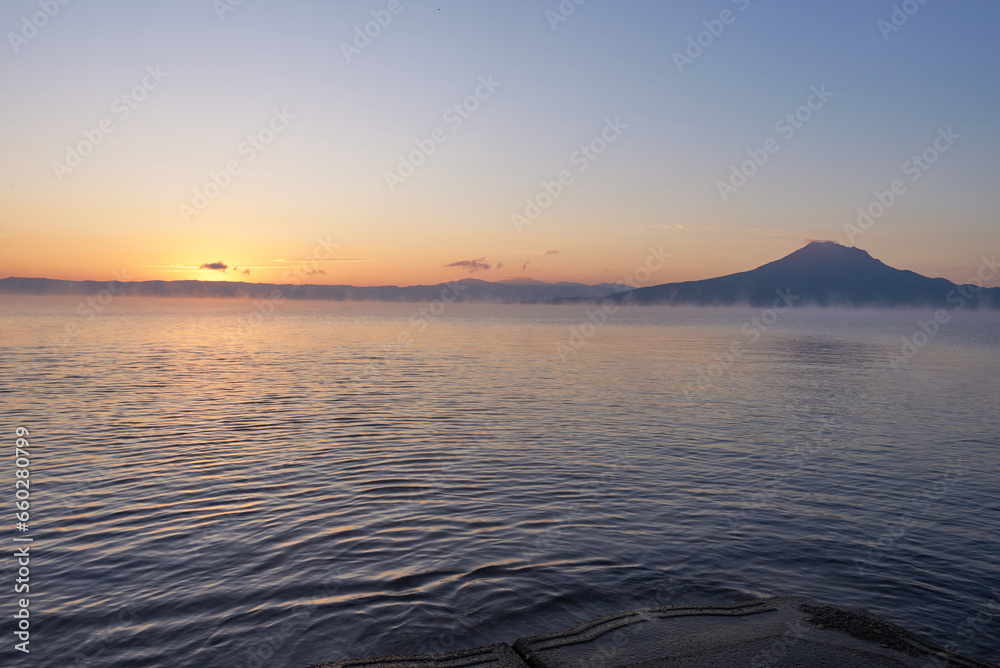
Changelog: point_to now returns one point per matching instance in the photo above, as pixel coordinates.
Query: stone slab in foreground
(775, 632)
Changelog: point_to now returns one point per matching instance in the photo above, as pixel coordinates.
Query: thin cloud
(471, 266)
(751, 241)
(552, 252)
(675, 226)
(215, 266)
(524, 266)
(329, 259)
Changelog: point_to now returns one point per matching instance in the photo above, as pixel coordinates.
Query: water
(211, 487)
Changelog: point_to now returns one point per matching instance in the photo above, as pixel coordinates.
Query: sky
(414, 142)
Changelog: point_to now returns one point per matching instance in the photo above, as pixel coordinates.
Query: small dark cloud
(525, 265)
(552, 252)
(313, 272)
(499, 265)
(216, 266)
(246, 271)
(472, 266)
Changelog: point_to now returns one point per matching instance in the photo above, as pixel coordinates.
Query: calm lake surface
(215, 488)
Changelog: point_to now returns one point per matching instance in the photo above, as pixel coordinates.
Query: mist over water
(322, 481)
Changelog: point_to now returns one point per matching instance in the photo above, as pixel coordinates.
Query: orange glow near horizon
(163, 254)
(166, 257)
(374, 251)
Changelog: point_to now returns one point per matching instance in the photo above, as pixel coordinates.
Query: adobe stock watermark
(796, 460)
(100, 642)
(82, 483)
(598, 317)
(260, 650)
(424, 316)
(786, 126)
(248, 149)
(121, 108)
(454, 116)
(92, 306)
(959, 297)
(450, 629)
(364, 34)
(918, 165)
(714, 28)
(459, 454)
(265, 308)
(970, 627)
(32, 25)
(895, 530)
(899, 17)
(562, 12)
(223, 7)
(753, 329)
(776, 651)
(590, 493)
(581, 159)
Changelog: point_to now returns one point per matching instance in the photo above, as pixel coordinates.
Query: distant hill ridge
(468, 289)
(822, 273)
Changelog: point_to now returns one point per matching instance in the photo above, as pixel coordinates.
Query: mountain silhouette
(822, 273)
